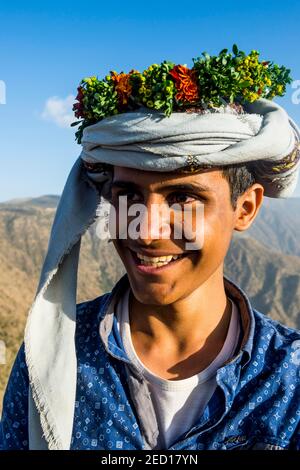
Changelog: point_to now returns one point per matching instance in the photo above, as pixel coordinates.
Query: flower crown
(212, 81)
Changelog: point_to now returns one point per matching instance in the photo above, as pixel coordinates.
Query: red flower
(122, 86)
(78, 107)
(79, 94)
(186, 84)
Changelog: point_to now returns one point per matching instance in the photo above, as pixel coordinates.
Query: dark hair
(240, 178)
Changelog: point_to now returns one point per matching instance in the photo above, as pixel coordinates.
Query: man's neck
(194, 327)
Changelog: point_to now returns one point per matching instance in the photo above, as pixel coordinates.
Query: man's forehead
(206, 178)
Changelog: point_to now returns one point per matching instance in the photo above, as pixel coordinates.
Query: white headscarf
(145, 140)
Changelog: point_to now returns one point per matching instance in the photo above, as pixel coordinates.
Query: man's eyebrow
(173, 187)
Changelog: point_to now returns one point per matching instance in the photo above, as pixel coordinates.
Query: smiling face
(165, 280)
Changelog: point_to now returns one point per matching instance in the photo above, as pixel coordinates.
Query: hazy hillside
(278, 225)
(270, 279)
(265, 262)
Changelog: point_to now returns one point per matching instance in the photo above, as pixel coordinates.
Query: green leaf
(235, 49)
(244, 84)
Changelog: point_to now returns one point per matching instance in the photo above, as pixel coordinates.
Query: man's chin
(153, 295)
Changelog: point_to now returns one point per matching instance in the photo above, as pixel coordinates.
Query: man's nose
(155, 223)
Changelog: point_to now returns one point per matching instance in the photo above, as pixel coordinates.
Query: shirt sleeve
(295, 441)
(14, 422)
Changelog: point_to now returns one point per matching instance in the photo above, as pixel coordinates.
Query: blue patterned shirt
(255, 405)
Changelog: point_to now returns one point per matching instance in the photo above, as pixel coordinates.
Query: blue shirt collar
(113, 344)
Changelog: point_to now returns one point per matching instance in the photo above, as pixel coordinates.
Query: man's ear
(248, 205)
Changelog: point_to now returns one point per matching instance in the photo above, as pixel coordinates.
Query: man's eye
(181, 198)
(131, 195)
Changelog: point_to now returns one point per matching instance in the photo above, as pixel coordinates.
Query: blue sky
(47, 47)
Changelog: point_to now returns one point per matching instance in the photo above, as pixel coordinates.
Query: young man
(175, 357)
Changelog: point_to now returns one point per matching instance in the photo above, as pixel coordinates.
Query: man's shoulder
(270, 383)
(274, 338)
(275, 327)
(98, 304)
(93, 306)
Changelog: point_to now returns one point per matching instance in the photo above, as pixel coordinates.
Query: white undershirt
(178, 403)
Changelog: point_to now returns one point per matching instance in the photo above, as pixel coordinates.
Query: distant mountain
(270, 279)
(278, 225)
(265, 262)
(49, 201)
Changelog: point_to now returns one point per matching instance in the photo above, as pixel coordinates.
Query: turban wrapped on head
(262, 134)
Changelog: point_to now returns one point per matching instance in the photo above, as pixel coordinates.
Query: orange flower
(122, 86)
(186, 83)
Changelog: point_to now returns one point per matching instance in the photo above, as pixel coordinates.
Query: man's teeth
(156, 261)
